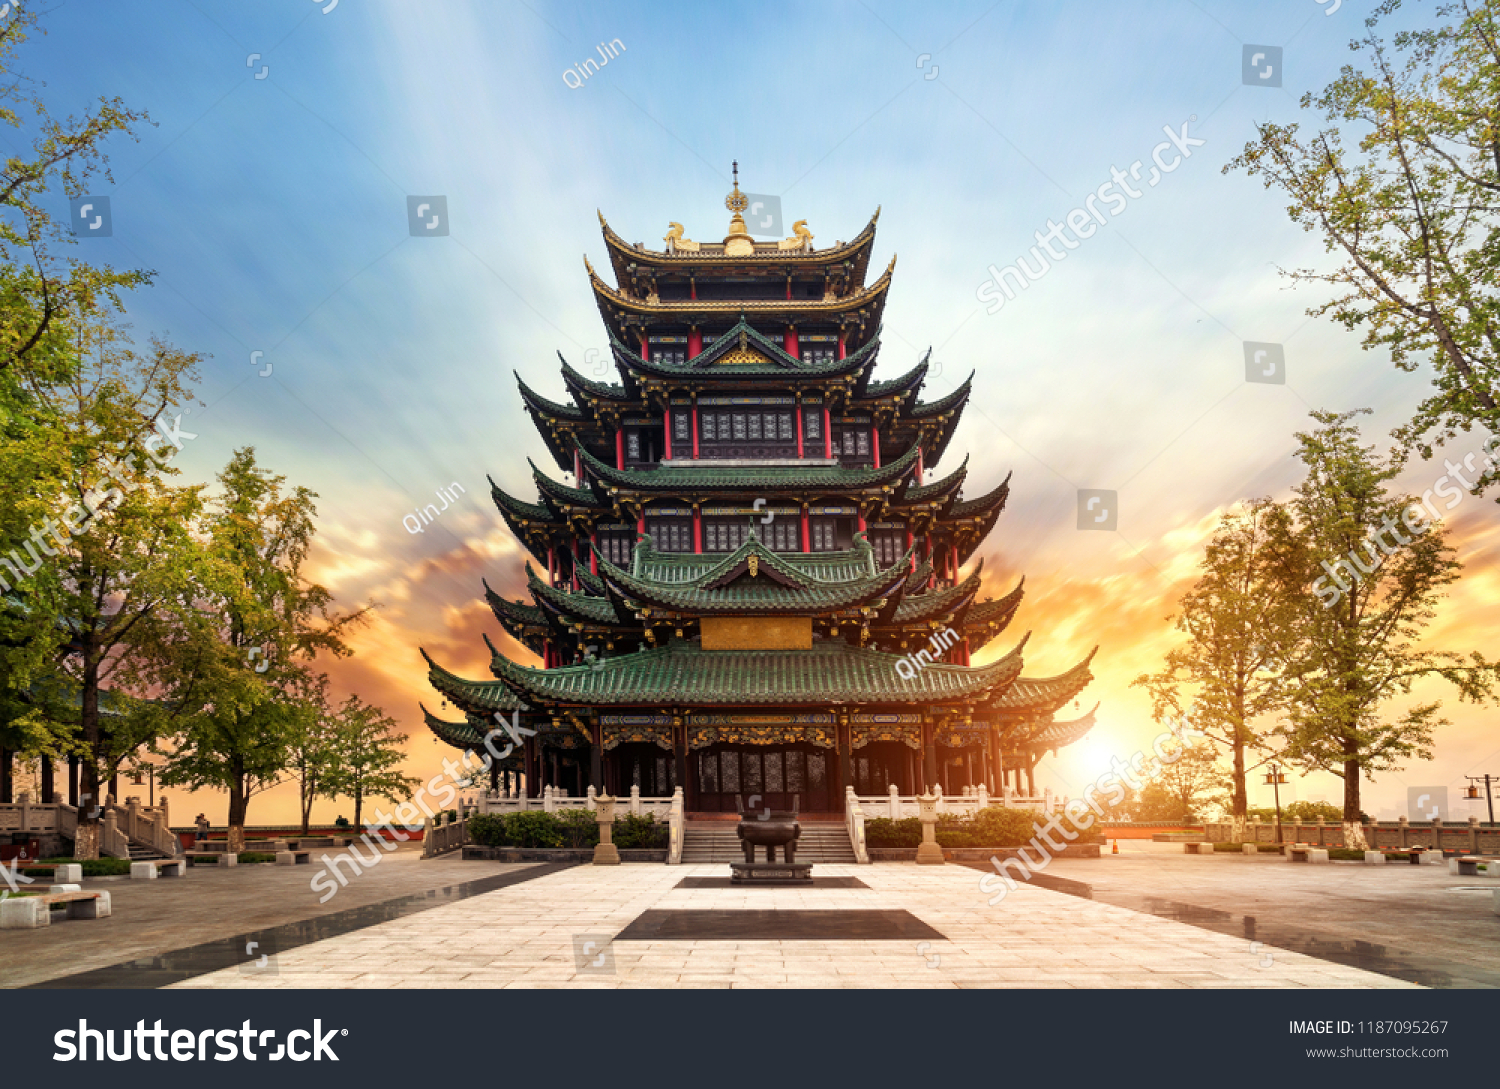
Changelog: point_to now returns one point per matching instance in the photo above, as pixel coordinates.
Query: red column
(577, 468)
(875, 443)
(953, 563)
(799, 429)
(963, 652)
(695, 338)
(697, 531)
(827, 433)
(594, 556)
(919, 462)
(551, 565)
(908, 548)
(695, 427)
(806, 533)
(645, 347)
(842, 349)
(640, 525)
(862, 527)
(620, 448)
(666, 430)
(790, 343)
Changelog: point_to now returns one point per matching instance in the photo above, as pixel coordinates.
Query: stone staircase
(715, 841)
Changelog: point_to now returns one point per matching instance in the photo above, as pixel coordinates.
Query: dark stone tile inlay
(834, 925)
(728, 883)
(197, 960)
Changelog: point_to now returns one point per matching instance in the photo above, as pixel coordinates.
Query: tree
(1237, 624)
(109, 552)
(1410, 208)
(249, 634)
(315, 755)
(39, 289)
(370, 750)
(1360, 624)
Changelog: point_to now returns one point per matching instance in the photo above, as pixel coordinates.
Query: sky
(375, 367)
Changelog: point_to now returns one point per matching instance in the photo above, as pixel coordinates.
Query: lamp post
(1274, 779)
(1473, 792)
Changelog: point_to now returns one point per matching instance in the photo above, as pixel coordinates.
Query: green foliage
(1235, 621)
(256, 856)
(1400, 183)
(995, 826)
(369, 750)
(884, 832)
(92, 867)
(574, 828)
(1358, 651)
(640, 832)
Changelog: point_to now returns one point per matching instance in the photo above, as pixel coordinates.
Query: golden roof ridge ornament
(737, 243)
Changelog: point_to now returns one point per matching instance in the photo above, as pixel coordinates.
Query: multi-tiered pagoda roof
(753, 567)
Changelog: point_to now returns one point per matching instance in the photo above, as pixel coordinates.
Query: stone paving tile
(522, 937)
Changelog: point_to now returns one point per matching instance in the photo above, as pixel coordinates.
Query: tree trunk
(1354, 825)
(237, 805)
(90, 793)
(306, 806)
(7, 760)
(359, 797)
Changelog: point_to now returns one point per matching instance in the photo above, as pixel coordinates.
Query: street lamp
(1473, 792)
(1274, 779)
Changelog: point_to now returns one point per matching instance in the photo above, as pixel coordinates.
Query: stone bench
(1198, 848)
(1375, 858)
(1250, 848)
(30, 912)
(151, 869)
(218, 858)
(1468, 866)
(293, 858)
(61, 871)
(1301, 852)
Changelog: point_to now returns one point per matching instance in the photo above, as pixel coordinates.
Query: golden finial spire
(738, 242)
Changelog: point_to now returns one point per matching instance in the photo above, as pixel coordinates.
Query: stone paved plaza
(1138, 930)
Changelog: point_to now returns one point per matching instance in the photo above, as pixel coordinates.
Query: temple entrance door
(777, 773)
(647, 766)
(879, 764)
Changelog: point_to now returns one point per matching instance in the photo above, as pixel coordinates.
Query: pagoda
(753, 584)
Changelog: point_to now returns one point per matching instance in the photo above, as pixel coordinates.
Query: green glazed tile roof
(910, 380)
(760, 594)
(937, 603)
(550, 408)
(1046, 694)
(563, 493)
(684, 673)
(949, 483)
(831, 479)
(991, 503)
(943, 404)
(519, 508)
(585, 607)
(673, 568)
(610, 391)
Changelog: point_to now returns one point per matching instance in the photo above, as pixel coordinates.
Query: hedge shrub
(567, 828)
